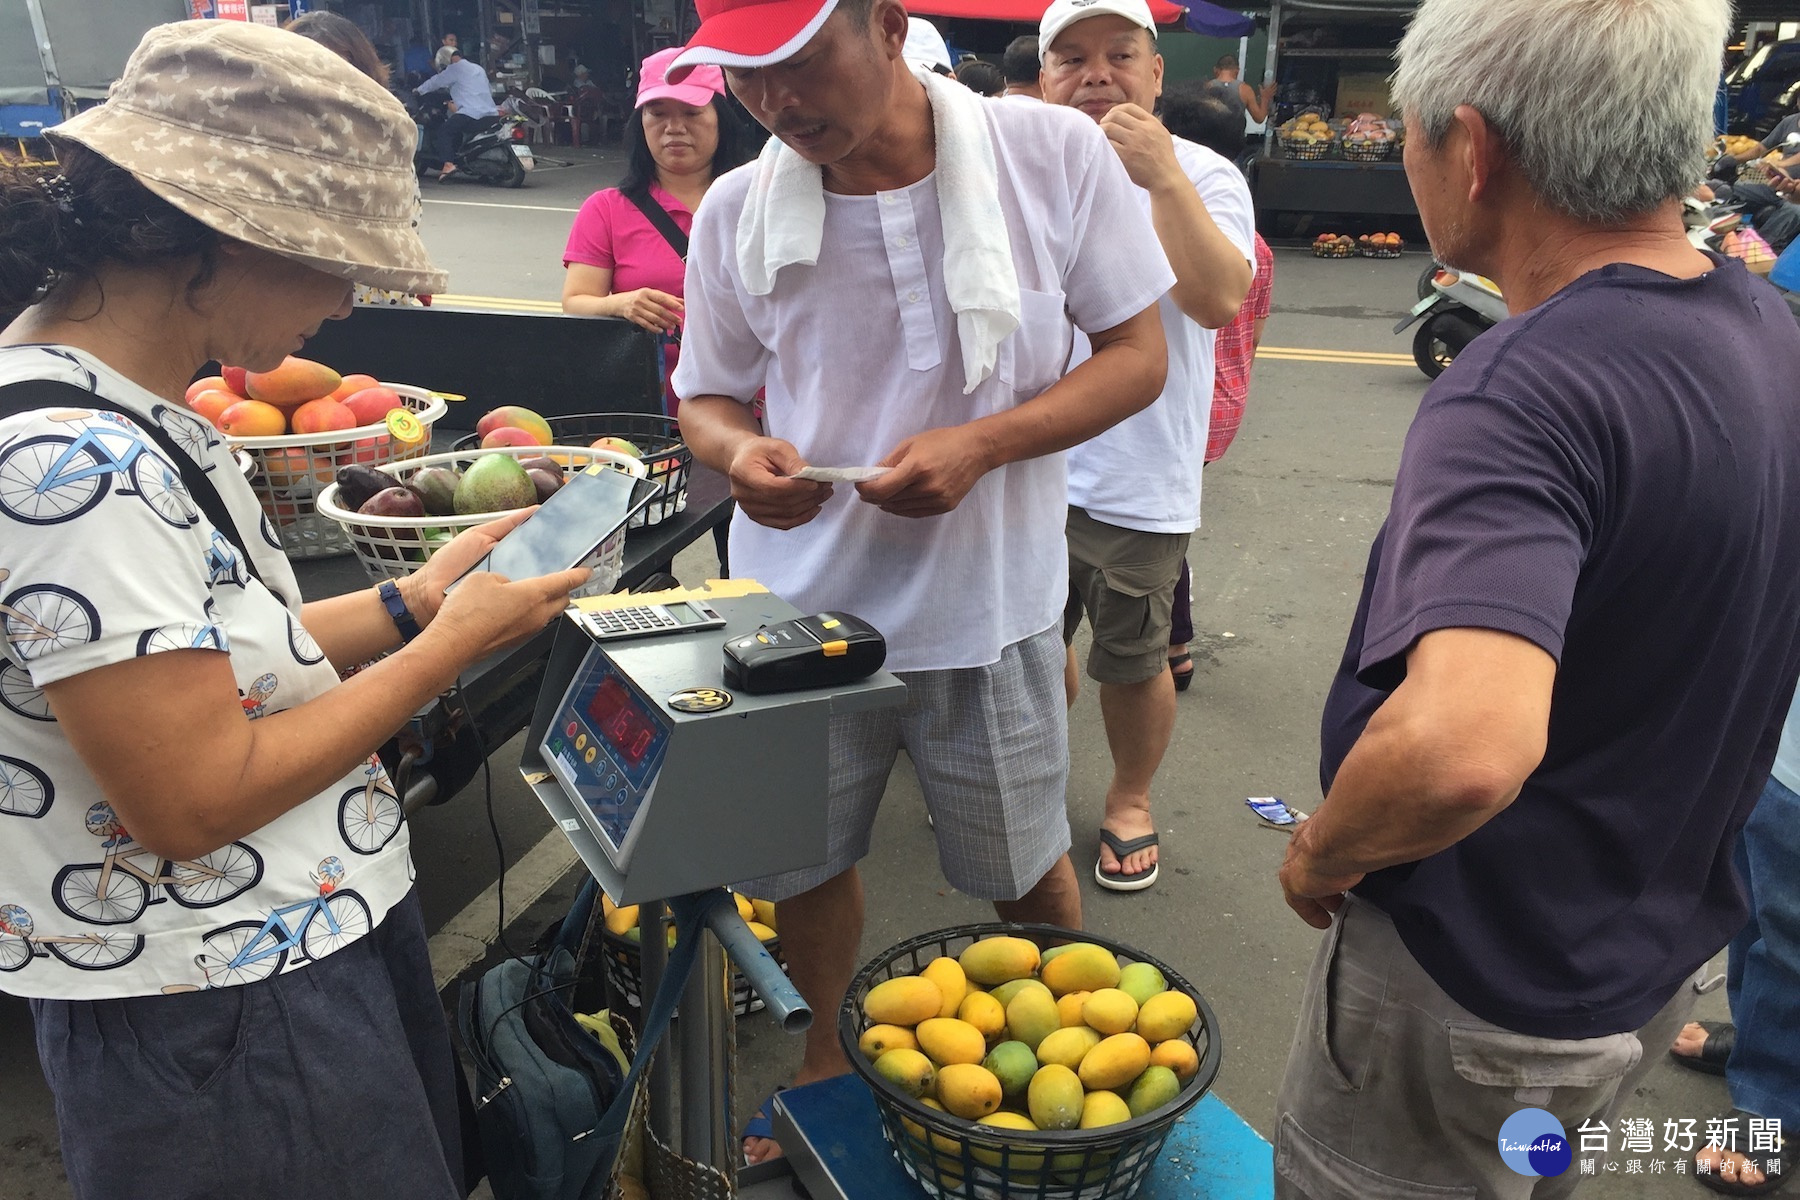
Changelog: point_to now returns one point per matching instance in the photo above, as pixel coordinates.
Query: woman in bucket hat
(205, 886)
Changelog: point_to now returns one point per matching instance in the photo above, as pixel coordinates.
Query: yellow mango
(1056, 951)
(1068, 1008)
(968, 1090)
(1141, 981)
(765, 912)
(763, 932)
(621, 919)
(984, 1013)
(905, 1000)
(1082, 968)
(947, 973)
(1166, 1015)
(744, 907)
(1115, 1062)
(947, 1040)
(1054, 1098)
(1068, 1046)
(1012, 1160)
(1099, 1108)
(1177, 1054)
(1151, 1090)
(907, 1070)
(999, 959)
(1012, 987)
(877, 1040)
(1109, 1011)
(1031, 1017)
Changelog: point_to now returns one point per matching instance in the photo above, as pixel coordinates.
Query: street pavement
(1289, 514)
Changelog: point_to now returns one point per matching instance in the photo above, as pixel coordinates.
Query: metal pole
(654, 960)
(40, 30)
(1269, 68)
(704, 1036)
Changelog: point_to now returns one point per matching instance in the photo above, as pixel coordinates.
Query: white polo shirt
(860, 352)
(1144, 472)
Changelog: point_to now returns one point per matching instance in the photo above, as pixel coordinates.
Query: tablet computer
(590, 507)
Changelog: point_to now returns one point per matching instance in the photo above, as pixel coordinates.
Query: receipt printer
(825, 650)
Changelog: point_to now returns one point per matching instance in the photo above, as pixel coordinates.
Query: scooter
(494, 152)
(1457, 307)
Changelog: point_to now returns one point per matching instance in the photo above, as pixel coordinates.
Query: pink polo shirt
(610, 232)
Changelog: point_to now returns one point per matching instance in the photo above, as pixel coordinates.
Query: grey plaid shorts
(990, 746)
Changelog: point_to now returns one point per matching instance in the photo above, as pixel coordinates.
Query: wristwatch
(404, 621)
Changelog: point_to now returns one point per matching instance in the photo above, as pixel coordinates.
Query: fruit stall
(1333, 142)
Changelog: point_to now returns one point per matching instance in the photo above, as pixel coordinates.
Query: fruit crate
(1305, 151)
(395, 547)
(665, 454)
(624, 960)
(962, 1160)
(292, 470)
(1367, 151)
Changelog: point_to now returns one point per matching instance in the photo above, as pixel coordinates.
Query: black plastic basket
(659, 438)
(624, 962)
(959, 1159)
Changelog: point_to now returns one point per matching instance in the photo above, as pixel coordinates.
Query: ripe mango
(1082, 968)
(1103, 1108)
(763, 932)
(514, 416)
(946, 1040)
(944, 1145)
(1177, 1054)
(765, 912)
(984, 1013)
(1151, 1090)
(1166, 1015)
(1013, 1064)
(1068, 1008)
(746, 912)
(1031, 1017)
(1006, 991)
(1057, 951)
(1068, 1046)
(877, 1040)
(968, 1090)
(1141, 981)
(292, 384)
(1018, 1164)
(1109, 1011)
(1054, 1098)
(904, 1000)
(493, 483)
(907, 1070)
(621, 919)
(947, 973)
(1115, 1062)
(999, 959)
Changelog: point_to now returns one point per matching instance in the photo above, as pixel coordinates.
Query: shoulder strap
(659, 216)
(30, 394)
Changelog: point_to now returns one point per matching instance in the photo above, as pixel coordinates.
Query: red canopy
(1027, 12)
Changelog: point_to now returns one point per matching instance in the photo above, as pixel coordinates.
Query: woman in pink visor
(625, 256)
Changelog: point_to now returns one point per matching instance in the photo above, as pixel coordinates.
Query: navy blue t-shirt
(1614, 476)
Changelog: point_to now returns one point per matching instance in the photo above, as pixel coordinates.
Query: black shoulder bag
(32, 394)
(659, 217)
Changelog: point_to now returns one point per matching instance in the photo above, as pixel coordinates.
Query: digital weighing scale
(672, 784)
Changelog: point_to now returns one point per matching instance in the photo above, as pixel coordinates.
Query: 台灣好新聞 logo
(1532, 1142)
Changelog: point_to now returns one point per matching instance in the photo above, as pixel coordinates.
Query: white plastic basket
(293, 469)
(394, 547)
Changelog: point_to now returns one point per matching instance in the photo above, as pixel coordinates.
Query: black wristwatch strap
(404, 621)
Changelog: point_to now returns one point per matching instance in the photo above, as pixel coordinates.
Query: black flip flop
(1182, 678)
(1714, 1051)
(1772, 1180)
(1125, 881)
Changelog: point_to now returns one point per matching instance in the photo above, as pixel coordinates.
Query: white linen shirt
(860, 352)
(468, 86)
(1144, 472)
(107, 558)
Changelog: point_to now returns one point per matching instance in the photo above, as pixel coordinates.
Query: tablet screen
(566, 528)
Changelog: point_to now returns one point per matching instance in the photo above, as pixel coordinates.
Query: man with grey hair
(1579, 627)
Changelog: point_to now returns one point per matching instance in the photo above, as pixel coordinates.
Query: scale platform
(832, 1136)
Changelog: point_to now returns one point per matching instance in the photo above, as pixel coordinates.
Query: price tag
(406, 427)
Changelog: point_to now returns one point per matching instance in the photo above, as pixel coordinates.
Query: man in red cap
(900, 271)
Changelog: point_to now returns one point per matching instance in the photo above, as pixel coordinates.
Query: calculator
(648, 620)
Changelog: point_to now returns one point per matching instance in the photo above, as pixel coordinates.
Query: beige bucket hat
(269, 138)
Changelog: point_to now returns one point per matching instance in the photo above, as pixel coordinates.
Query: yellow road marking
(1364, 358)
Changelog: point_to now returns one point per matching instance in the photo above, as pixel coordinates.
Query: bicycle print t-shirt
(104, 557)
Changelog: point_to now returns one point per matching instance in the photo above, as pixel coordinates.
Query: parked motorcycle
(494, 152)
(1457, 307)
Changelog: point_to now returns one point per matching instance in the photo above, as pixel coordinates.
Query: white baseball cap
(925, 45)
(1063, 13)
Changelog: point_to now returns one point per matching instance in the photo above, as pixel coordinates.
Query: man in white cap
(900, 270)
(1134, 491)
(925, 47)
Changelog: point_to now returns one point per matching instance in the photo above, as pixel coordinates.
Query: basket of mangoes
(1012, 1061)
(1308, 137)
(1379, 245)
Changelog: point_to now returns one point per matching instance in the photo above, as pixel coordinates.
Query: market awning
(1025, 12)
(1215, 20)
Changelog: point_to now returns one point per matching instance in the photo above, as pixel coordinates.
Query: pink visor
(696, 88)
(750, 33)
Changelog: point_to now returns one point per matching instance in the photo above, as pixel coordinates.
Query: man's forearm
(1212, 276)
(714, 427)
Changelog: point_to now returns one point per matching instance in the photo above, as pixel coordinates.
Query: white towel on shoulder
(783, 223)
